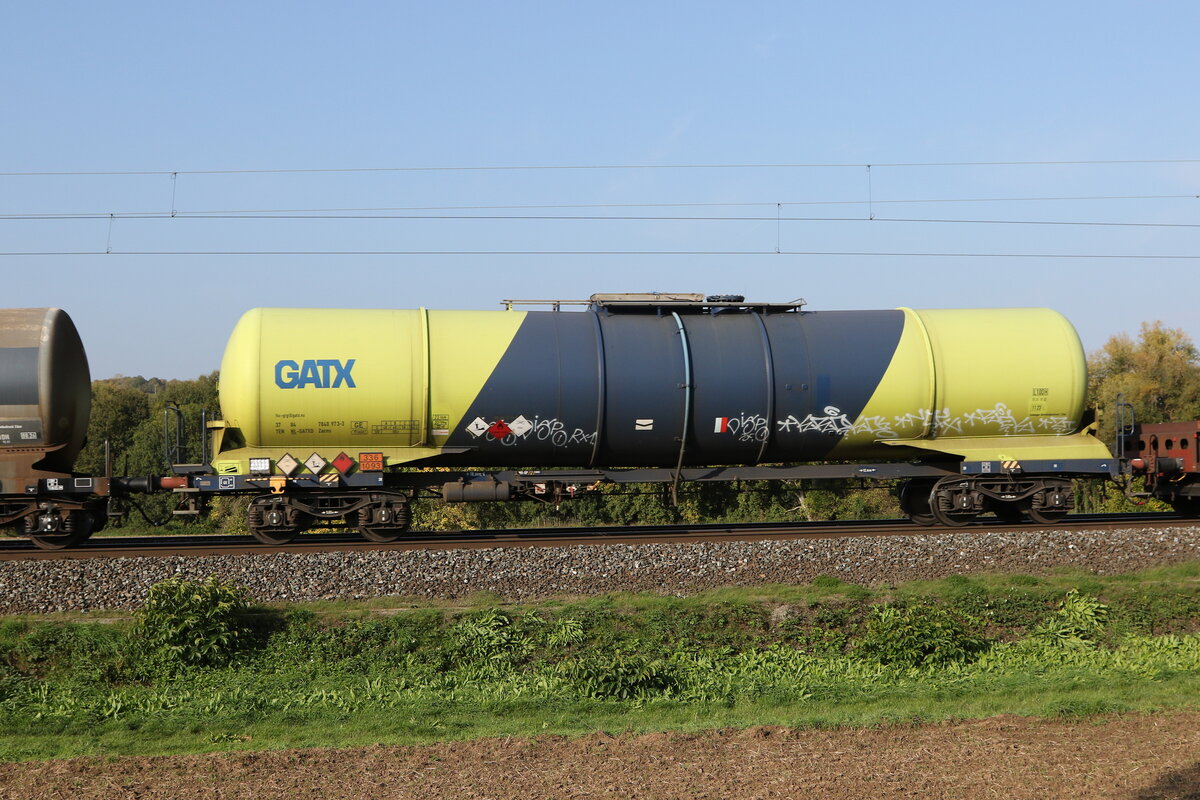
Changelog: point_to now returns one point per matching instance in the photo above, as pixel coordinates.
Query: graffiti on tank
(557, 433)
(748, 427)
(998, 418)
(1057, 424)
(834, 421)
(920, 419)
(522, 431)
(880, 427)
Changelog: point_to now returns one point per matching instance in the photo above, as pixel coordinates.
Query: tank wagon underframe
(377, 503)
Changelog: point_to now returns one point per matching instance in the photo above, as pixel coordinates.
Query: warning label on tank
(21, 432)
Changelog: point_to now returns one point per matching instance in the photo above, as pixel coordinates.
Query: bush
(229, 515)
(193, 623)
(490, 641)
(82, 652)
(621, 676)
(1079, 621)
(919, 636)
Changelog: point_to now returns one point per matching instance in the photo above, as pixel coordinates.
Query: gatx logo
(319, 373)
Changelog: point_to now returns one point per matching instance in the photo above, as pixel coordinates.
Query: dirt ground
(1136, 757)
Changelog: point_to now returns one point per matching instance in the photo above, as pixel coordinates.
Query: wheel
(382, 535)
(914, 502)
(954, 518)
(388, 522)
(274, 537)
(271, 524)
(1044, 516)
(76, 528)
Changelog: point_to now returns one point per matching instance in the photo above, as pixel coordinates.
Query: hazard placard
(370, 462)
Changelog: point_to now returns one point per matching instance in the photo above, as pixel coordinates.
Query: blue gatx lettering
(319, 373)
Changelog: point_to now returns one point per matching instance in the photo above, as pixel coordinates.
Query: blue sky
(158, 87)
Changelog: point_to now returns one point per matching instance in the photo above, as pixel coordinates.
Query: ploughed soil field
(1136, 756)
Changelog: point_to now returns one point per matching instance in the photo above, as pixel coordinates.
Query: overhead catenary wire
(778, 218)
(539, 167)
(391, 213)
(861, 253)
(54, 215)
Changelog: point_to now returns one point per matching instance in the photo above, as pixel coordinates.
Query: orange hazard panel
(370, 462)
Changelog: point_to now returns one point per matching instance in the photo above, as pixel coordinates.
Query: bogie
(57, 529)
(960, 500)
(273, 520)
(278, 518)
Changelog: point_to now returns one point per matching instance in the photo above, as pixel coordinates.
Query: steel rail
(333, 541)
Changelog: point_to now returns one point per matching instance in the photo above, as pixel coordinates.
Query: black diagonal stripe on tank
(827, 367)
(546, 379)
(828, 364)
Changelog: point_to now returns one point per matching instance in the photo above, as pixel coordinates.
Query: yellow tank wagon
(979, 410)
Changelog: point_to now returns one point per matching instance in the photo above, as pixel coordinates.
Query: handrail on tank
(554, 304)
(636, 300)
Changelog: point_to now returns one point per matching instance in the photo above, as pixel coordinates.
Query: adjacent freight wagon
(45, 404)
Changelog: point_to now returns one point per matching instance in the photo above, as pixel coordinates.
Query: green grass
(403, 671)
(423, 720)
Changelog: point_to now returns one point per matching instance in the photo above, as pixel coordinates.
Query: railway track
(333, 541)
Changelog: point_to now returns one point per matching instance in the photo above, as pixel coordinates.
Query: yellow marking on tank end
(967, 373)
(410, 369)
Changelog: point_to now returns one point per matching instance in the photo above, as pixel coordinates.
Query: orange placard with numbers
(370, 462)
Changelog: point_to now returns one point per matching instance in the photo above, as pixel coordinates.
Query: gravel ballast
(523, 573)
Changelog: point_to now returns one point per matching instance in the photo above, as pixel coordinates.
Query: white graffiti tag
(748, 427)
(522, 430)
(555, 432)
(1057, 424)
(880, 427)
(834, 421)
(997, 420)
